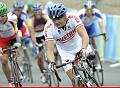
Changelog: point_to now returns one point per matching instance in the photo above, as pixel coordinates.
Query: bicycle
(97, 73)
(52, 78)
(15, 70)
(27, 71)
(86, 79)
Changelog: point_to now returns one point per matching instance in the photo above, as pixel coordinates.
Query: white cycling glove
(52, 66)
(83, 53)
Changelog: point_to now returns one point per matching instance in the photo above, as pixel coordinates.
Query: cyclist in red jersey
(8, 35)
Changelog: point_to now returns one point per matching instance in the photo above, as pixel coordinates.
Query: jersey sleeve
(81, 13)
(78, 23)
(48, 32)
(98, 15)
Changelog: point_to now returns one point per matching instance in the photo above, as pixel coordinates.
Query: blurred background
(106, 6)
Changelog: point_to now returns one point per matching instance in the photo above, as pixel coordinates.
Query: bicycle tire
(30, 75)
(89, 79)
(93, 81)
(48, 77)
(16, 76)
(98, 73)
(79, 80)
(27, 67)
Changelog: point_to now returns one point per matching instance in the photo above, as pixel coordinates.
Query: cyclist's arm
(32, 34)
(29, 23)
(98, 15)
(101, 27)
(82, 32)
(50, 50)
(85, 39)
(49, 42)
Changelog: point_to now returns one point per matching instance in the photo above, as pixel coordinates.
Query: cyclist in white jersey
(89, 16)
(69, 34)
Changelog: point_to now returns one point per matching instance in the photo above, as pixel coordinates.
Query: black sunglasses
(3, 15)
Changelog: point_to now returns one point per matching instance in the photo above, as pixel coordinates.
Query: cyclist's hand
(83, 53)
(105, 37)
(37, 44)
(52, 66)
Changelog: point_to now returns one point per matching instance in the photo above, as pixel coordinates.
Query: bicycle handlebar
(97, 35)
(68, 62)
(11, 48)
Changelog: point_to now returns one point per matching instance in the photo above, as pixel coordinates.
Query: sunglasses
(18, 10)
(57, 18)
(3, 16)
(37, 12)
(89, 10)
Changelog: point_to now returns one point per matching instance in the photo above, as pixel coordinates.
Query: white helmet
(89, 4)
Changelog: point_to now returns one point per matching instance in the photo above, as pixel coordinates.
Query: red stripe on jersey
(79, 25)
(46, 39)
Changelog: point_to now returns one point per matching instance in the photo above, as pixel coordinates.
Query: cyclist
(8, 33)
(21, 20)
(36, 29)
(67, 31)
(89, 15)
(28, 8)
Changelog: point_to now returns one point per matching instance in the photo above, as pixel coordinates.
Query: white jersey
(96, 16)
(66, 39)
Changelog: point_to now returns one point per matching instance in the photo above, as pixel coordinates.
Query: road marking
(114, 65)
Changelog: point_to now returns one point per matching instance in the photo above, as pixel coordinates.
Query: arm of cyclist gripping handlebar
(52, 67)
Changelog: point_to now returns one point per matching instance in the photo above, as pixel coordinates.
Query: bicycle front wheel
(54, 80)
(98, 73)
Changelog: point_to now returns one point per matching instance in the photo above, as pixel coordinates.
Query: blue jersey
(21, 19)
(87, 21)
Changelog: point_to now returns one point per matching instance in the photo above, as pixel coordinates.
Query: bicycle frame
(15, 70)
(97, 73)
(27, 63)
(82, 80)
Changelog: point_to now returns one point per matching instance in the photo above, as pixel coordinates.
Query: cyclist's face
(17, 11)
(3, 19)
(60, 22)
(89, 12)
(37, 14)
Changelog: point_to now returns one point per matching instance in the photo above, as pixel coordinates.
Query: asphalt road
(111, 75)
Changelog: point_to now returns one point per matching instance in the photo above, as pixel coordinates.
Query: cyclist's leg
(4, 61)
(96, 50)
(91, 30)
(71, 75)
(40, 59)
(68, 68)
(5, 67)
